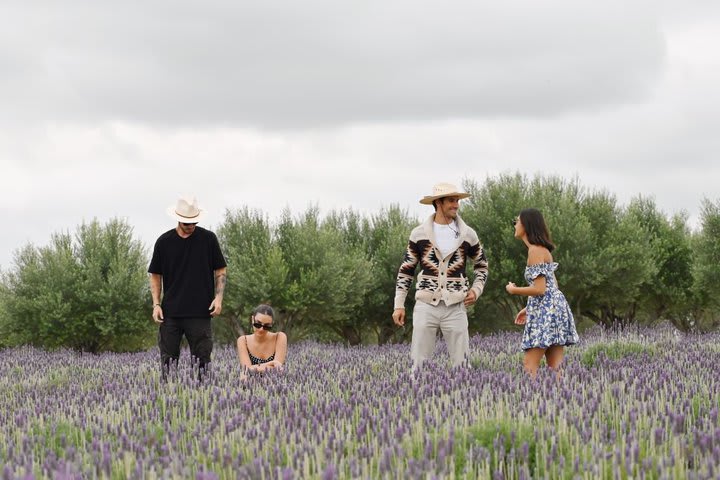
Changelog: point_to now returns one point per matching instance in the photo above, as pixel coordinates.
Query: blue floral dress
(549, 318)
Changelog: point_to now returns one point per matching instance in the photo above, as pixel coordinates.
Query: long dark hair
(535, 228)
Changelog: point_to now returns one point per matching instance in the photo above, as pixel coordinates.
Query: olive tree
(702, 314)
(87, 292)
(491, 210)
(327, 280)
(666, 292)
(386, 236)
(618, 263)
(256, 270)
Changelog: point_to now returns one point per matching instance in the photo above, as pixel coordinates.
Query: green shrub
(615, 350)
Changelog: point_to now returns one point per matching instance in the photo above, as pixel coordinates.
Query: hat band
(185, 216)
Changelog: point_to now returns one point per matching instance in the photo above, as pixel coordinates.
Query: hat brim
(430, 199)
(197, 218)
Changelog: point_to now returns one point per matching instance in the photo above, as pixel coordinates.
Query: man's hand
(157, 314)
(470, 298)
(398, 317)
(215, 307)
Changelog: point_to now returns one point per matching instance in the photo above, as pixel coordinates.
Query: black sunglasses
(188, 224)
(514, 221)
(259, 325)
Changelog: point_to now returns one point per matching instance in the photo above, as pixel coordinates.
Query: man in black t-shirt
(189, 270)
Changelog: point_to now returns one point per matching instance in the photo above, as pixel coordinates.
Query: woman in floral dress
(548, 320)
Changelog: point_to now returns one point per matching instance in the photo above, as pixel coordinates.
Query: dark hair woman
(548, 320)
(263, 349)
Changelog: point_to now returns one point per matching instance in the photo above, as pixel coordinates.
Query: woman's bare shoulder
(538, 254)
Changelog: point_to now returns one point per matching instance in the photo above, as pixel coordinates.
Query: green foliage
(507, 439)
(333, 277)
(702, 312)
(666, 292)
(615, 350)
(87, 292)
(328, 278)
(386, 236)
(256, 270)
(5, 331)
(490, 212)
(61, 434)
(621, 265)
(617, 266)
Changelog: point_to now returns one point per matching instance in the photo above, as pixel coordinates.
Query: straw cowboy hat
(186, 210)
(441, 190)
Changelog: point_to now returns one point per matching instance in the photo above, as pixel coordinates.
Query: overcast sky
(114, 109)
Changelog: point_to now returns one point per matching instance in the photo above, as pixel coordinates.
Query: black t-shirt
(187, 266)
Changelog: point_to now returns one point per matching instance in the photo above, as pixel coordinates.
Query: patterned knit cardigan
(440, 278)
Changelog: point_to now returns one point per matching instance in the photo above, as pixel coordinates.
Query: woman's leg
(531, 362)
(554, 356)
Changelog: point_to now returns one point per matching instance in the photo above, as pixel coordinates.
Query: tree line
(332, 277)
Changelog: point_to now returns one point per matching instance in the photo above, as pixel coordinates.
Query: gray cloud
(322, 62)
(113, 109)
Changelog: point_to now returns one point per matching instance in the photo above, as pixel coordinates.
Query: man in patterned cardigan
(441, 247)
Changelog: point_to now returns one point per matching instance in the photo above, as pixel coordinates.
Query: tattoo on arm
(220, 281)
(156, 288)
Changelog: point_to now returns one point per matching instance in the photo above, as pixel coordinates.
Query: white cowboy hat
(441, 190)
(186, 210)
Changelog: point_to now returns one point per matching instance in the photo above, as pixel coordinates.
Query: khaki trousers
(451, 320)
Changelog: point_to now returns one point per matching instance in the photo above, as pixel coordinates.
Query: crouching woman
(263, 349)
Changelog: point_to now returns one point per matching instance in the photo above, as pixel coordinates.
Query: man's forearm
(220, 281)
(155, 287)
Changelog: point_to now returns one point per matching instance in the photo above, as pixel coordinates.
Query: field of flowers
(634, 405)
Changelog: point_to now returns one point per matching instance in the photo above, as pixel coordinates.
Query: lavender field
(633, 405)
